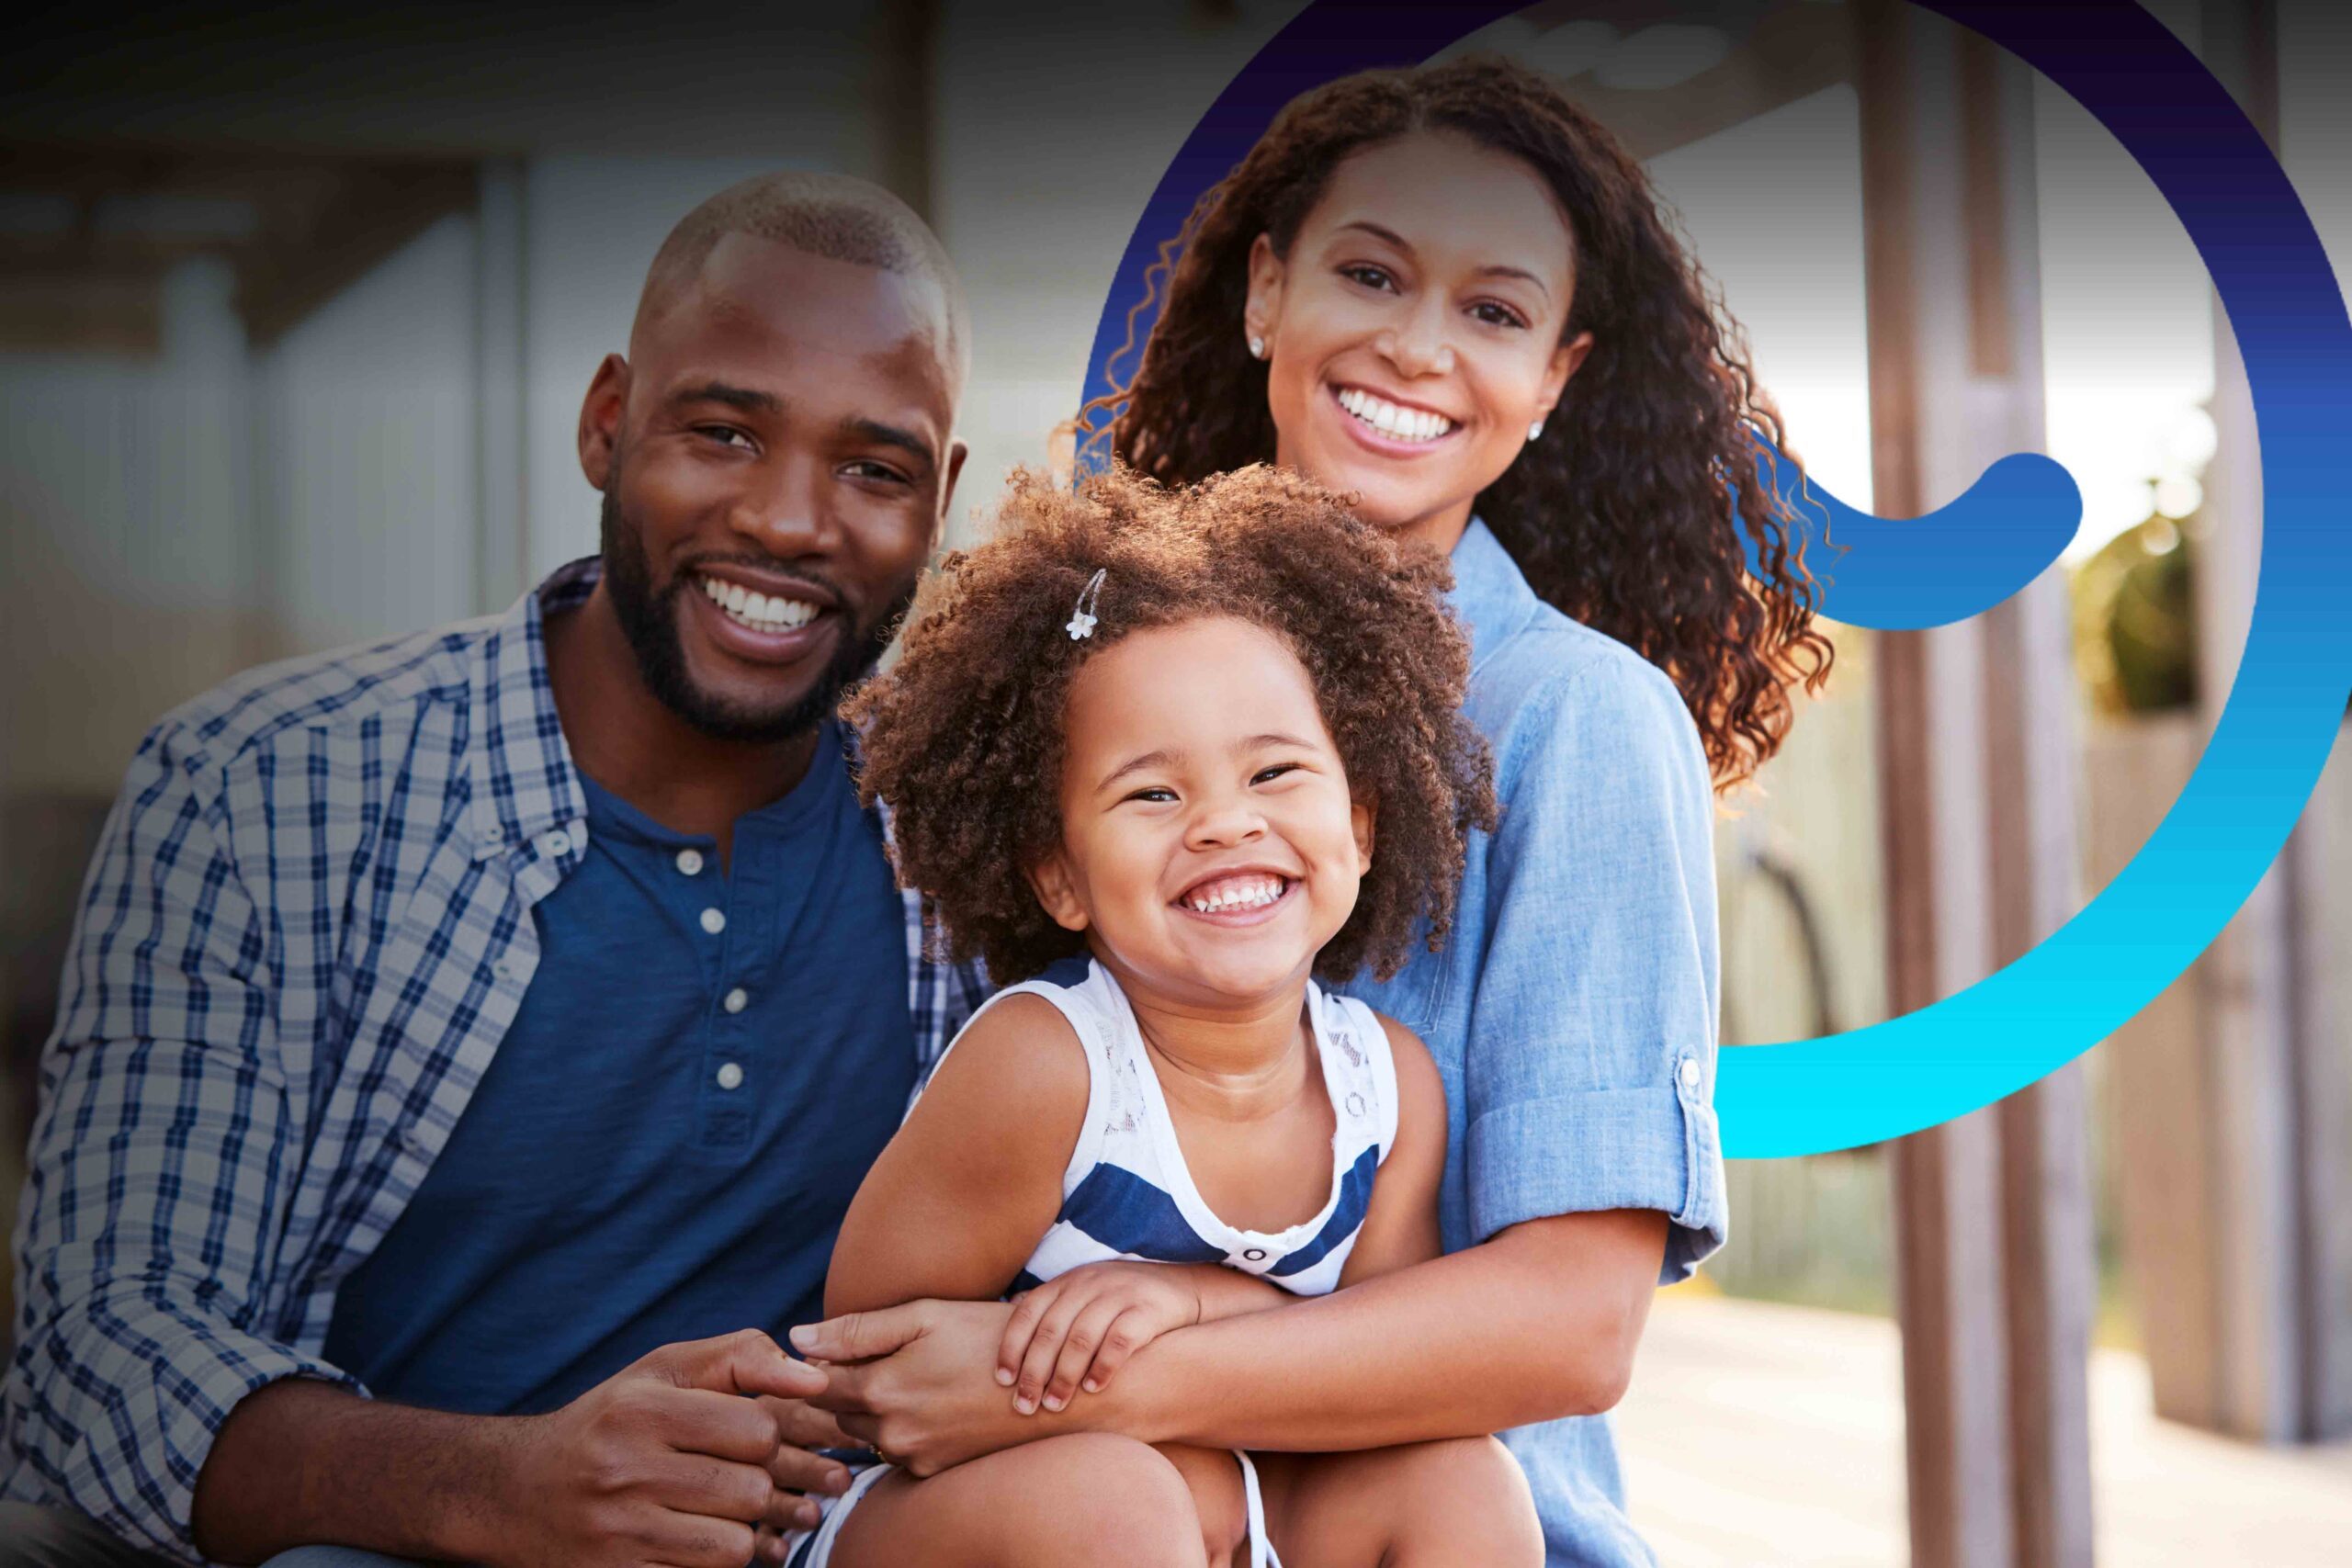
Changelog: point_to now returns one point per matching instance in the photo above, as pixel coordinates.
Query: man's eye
(882, 472)
(1369, 275)
(724, 434)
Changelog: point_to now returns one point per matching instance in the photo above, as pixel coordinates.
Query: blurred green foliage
(2135, 619)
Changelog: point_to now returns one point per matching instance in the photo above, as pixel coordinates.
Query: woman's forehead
(1440, 191)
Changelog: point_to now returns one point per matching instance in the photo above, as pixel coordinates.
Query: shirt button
(730, 1075)
(1689, 1074)
(1255, 1255)
(556, 844)
(690, 862)
(738, 999)
(713, 921)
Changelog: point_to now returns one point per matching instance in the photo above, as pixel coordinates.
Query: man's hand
(666, 1463)
(916, 1382)
(1076, 1329)
(801, 1427)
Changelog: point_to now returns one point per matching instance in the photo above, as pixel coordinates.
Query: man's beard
(649, 620)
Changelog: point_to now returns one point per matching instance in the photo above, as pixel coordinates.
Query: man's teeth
(1392, 420)
(1234, 893)
(758, 611)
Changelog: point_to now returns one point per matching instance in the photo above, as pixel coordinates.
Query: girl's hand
(1077, 1330)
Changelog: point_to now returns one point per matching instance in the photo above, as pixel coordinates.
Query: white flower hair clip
(1089, 598)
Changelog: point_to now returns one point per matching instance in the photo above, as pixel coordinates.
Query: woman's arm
(1540, 1322)
(963, 1192)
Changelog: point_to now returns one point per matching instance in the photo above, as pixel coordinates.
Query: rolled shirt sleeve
(1591, 1072)
(157, 1173)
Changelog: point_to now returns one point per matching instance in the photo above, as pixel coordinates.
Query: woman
(1450, 293)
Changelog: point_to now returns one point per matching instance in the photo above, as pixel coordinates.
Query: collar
(523, 783)
(1489, 594)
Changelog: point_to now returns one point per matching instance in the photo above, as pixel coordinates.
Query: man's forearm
(301, 1462)
(1537, 1324)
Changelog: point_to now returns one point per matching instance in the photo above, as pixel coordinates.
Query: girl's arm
(971, 1181)
(1400, 1226)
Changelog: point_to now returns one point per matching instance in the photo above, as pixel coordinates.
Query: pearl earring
(1535, 431)
(1257, 346)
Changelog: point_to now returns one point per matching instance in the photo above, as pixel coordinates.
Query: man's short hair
(834, 216)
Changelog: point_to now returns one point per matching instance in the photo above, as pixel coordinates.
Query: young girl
(1140, 748)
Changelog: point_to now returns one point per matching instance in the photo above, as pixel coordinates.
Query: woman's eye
(1368, 276)
(1496, 315)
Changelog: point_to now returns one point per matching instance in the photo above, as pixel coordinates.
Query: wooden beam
(1994, 1239)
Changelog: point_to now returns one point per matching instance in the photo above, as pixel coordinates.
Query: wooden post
(2246, 977)
(1978, 760)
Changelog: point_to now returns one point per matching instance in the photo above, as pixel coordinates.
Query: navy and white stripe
(307, 929)
(1127, 1192)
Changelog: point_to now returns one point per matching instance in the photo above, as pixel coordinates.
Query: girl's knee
(1116, 1500)
(1480, 1483)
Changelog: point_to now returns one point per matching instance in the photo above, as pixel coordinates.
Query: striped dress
(1127, 1194)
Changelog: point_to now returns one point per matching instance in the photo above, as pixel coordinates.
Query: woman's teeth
(758, 611)
(1393, 419)
(1234, 893)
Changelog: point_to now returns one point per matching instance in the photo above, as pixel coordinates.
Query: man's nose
(785, 509)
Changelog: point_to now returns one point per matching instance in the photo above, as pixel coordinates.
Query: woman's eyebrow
(1389, 236)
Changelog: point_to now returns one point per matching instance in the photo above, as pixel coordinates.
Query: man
(500, 1021)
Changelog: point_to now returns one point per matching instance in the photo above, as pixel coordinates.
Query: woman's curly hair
(962, 736)
(1622, 514)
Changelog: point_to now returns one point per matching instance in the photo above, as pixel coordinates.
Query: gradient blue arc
(2175, 897)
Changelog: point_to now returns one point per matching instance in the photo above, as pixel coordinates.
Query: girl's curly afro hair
(962, 736)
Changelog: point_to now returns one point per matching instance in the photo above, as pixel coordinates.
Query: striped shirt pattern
(1127, 1192)
(305, 931)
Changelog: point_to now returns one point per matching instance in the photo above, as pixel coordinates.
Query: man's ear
(1058, 891)
(600, 419)
(1264, 305)
(1360, 817)
(956, 453)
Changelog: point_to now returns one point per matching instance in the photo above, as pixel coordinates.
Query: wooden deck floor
(1761, 1435)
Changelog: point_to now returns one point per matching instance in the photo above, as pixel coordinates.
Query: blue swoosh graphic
(2274, 736)
(1902, 574)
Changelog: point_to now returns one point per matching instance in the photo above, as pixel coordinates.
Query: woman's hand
(913, 1382)
(1075, 1330)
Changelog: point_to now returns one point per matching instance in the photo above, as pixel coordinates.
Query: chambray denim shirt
(1572, 1012)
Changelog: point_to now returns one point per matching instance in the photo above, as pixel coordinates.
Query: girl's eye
(1369, 275)
(1496, 315)
(1266, 775)
(1155, 795)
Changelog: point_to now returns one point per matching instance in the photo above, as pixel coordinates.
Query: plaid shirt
(305, 932)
